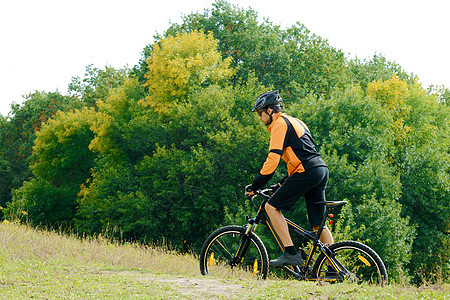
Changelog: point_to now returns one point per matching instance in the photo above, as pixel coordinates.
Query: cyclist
(290, 139)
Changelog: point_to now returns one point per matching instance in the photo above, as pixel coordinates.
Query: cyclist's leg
(316, 212)
(279, 225)
(283, 199)
(290, 255)
(286, 196)
(326, 237)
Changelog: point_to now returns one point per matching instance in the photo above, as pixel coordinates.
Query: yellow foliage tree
(117, 109)
(392, 94)
(178, 64)
(61, 151)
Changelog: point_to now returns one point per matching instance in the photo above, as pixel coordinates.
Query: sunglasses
(260, 112)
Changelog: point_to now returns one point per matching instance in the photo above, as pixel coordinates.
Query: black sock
(291, 250)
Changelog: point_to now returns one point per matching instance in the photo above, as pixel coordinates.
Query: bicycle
(233, 250)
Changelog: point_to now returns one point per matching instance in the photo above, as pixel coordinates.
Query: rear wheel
(358, 261)
(218, 254)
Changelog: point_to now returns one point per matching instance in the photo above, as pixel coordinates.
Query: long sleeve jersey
(290, 140)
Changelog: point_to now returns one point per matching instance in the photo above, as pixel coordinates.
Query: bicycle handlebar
(265, 193)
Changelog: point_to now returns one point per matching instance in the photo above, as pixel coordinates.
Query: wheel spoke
(356, 261)
(218, 255)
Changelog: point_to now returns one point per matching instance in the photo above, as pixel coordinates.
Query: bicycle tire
(220, 247)
(362, 263)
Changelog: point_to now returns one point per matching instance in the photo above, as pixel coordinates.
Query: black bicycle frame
(313, 236)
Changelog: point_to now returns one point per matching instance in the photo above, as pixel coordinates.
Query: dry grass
(23, 242)
(49, 265)
(40, 264)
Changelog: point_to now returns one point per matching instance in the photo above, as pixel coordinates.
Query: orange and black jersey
(290, 140)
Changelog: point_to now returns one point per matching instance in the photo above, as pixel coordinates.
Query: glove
(248, 188)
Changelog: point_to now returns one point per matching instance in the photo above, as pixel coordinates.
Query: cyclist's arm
(277, 137)
(259, 181)
(249, 191)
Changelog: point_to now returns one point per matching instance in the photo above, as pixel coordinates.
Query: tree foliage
(61, 149)
(182, 176)
(96, 83)
(17, 135)
(62, 163)
(182, 63)
(162, 153)
(425, 176)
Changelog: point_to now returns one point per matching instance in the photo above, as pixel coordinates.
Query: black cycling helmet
(268, 99)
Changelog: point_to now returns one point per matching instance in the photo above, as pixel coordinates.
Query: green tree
(61, 148)
(195, 163)
(179, 185)
(62, 162)
(124, 132)
(17, 135)
(314, 66)
(119, 116)
(7, 162)
(425, 165)
(96, 83)
(40, 203)
(110, 202)
(283, 58)
(348, 122)
(236, 30)
(365, 71)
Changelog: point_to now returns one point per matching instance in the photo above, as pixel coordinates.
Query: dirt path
(202, 288)
(195, 287)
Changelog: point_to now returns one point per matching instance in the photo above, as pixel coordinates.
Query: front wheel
(227, 253)
(358, 263)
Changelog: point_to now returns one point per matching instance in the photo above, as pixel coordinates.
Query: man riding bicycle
(291, 140)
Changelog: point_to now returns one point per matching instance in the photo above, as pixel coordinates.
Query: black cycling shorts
(311, 184)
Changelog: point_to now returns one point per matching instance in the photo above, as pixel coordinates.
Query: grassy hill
(40, 264)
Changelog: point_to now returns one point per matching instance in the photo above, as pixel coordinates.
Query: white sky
(44, 43)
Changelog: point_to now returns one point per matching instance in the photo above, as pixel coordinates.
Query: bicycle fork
(245, 243)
